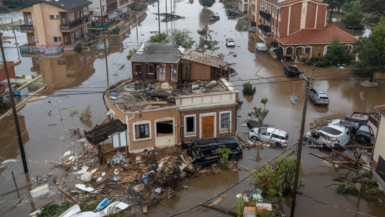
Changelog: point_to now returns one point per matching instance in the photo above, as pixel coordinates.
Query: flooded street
(75, 81)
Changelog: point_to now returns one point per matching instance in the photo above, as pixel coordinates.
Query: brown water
(79, 80)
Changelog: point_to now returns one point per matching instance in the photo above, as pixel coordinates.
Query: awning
(112, 15)
(101, 133)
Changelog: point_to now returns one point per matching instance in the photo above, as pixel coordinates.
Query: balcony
(26, 28)
(74, 23)
(264, 28)
(111, 1)
(265, 15)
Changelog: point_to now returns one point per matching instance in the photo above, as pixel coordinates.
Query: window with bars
(142, 131)
(225, 121)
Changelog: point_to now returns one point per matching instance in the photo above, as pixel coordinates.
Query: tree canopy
(181, 38)
(158, 37)
(353, 15)
(206, 41)
(337, 53)
(206, 3)
(371, 53)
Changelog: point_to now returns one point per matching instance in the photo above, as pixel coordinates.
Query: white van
(331, 136)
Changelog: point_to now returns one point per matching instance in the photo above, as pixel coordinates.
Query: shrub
(248, 89)
(3, 104)
(131, 53)
(78, 48)
(86, 114)
(115, 31)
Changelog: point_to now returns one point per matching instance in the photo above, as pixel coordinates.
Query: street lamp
(21, 146)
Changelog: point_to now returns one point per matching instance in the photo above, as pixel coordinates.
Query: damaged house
(171, 63)
(378, 158)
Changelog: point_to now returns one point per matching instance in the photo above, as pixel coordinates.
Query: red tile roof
(287, 2)
(318, 36)
(380, 109)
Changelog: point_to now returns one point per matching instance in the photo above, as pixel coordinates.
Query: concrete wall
(379, 149)
(11, 71)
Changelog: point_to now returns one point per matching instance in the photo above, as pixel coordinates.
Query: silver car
(330, 136)
(260, 46)
(269, 134)
(318, 97)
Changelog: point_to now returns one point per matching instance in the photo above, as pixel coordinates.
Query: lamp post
(20, 140)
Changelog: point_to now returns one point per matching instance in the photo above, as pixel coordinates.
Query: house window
(57, 39)
(142, 131)
(224, 121)
(173, 70)
(150, 69)
(54, 17)
(160, 69)
(164, 128)
(138, 69)
(189, 124)
(61, 62)
(119, 140)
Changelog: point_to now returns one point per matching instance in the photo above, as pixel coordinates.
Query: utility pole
(159, 15)
(14, 33)
(299, 152)
(105, 46)
(19, 138)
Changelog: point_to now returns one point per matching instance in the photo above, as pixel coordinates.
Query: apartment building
(109, 9)
(297, 27)
(243, 6)
(51, 23)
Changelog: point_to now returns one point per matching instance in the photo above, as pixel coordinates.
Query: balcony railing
(26, 27)
(42, 49)
(265, 15)
(264, 28)
(111, 1)
(74, 23)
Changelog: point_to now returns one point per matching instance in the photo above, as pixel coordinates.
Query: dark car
(291, 71)
(214, 18)
(364, 135)
(204, 152)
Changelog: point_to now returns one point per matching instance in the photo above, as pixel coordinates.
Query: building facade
(183, 117)
(296, 27)
(378, 162)
(243, 6)
(50, 24)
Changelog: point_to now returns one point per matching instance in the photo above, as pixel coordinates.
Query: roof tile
(380, 109)
(318, 36)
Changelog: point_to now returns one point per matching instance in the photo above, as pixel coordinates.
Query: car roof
(273, 130)
(333, 129)
(261, 44)
(221, 140)
(230, 39)
(364, 128)
(319, 91)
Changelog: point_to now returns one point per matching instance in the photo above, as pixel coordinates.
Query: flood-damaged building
(378, 162)
(296, 28)
(169, 62)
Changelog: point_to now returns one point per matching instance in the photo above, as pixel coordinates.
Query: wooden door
(207, 127)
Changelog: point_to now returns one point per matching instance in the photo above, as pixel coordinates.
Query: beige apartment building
(49, 23)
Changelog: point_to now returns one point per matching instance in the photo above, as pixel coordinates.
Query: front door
(207, 127)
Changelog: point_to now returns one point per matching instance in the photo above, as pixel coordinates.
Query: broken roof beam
(335, 162)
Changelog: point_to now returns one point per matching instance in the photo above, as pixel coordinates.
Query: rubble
(41, 190)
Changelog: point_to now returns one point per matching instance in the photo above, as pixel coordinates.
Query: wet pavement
(77, 80)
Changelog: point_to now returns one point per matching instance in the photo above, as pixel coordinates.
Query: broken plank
(218, 200)
(343, 155)
(357, 146)
(339, 164)
(221, 210)
(247, 168)
(66, 193)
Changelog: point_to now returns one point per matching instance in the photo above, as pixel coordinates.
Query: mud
(79, 80)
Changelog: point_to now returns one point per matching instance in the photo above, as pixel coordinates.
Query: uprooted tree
(371, 53)
(206, 41)
(260, 114)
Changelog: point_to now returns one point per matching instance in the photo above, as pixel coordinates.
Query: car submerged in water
(204, 151)
(331, 136)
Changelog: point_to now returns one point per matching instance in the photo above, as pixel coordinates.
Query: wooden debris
(144, 208)
(218, 200)
(57, 164)
(220, 210)
(66, 193)
(247, 168)
(335, 162)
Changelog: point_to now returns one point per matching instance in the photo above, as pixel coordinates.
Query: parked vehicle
(270, 134)
(364, 135)
(291, 71)
(318, 97)
(230, 42)
(351, 126)
(204, 152)
(214, 18)
(331, 136)
(260, 47)
(252, 29)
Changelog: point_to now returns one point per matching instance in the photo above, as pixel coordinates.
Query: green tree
(206, 3)
(3, 104)
(131, 53)
(353, 15)
(371, 53)
(158, 37)
(181, 38)
(276, 183)
(78, 48)
(260, 114)
(373, 6)
(248, 89)
(115, 31)
(337, 53)
(206, 41)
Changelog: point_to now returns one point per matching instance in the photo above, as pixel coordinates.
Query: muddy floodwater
(75, 81)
